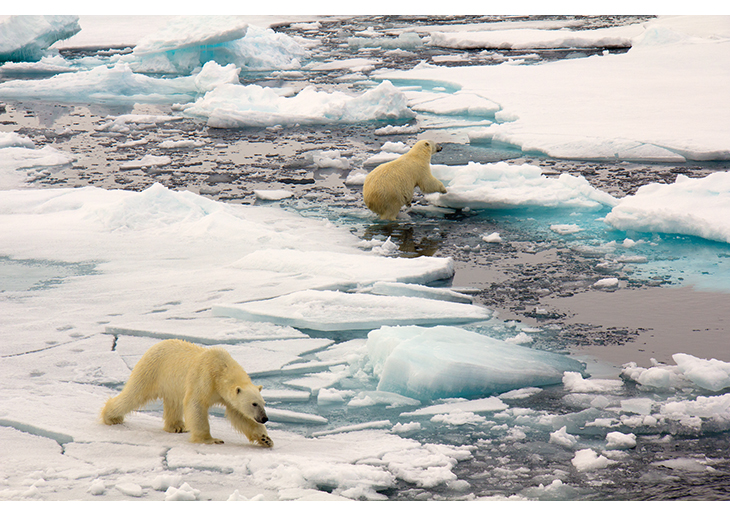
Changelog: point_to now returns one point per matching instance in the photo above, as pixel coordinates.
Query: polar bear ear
(260, 387)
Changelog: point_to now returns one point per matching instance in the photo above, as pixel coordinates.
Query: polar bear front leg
(196, 420)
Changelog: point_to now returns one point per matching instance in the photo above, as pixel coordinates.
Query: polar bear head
(425, 148)
(248, 401)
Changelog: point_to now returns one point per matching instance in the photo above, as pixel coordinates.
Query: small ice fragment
(492, 238)
(272, 195)
(619, 441)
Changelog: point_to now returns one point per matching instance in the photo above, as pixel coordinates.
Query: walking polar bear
(390, 185)
(190, 379)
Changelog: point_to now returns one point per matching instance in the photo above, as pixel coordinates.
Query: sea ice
(336, 311)
(503, 186)
(27, 38)
(442, 362)
(235, 106)
(552, 108)
(520, 38)
(698, 207)
(21, 161)
(187, 43)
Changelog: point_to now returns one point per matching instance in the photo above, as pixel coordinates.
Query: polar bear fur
(190, 379)
(390, 185)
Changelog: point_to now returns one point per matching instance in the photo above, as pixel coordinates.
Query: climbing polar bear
(190, 379)
(391, 184)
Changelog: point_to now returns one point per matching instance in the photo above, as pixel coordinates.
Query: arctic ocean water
(541, 270)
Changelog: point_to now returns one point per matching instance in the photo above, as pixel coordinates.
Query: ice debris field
(381, 382)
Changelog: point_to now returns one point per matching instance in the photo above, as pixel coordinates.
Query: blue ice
(449, 362)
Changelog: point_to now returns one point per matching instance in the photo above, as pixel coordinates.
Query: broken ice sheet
(335, 311)
(444, 362)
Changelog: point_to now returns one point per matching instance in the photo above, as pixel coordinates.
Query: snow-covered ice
(502, 185)
(697, 207)
(368, 368)
(28, 37)
(589, 108)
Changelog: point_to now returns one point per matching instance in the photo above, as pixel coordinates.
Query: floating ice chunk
(356, 177)
(396, 147)
(574, 382)
(566, 229)
(588, 460)
(336, 311)
(712, 374)
(503, 186)
(186, 43)
(117, 85)
(440, 362)
(406, 429)
(715, 408)
(563, 438)
(381, 157)
(272, 195)
(397, 129)
(330, 159)
(620, 441)
(607, 284)
(27, 38)
(147, 161)
(698, 207)
(458, 418)
(181, 144)
(383, 288)
(492, 238)
(234, 106)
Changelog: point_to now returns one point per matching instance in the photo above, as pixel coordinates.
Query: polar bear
(190, 379)
(390, 185)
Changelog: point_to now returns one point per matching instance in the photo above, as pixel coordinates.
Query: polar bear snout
(261, 416)
(438, 148)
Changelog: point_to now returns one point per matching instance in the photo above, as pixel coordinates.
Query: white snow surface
(161, 259)
(698, 207)
(663, 100)
(503, 186)
(235, 106)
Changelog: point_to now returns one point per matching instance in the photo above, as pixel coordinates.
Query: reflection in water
(405, 236)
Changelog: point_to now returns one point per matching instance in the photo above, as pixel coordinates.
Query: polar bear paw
(265, 440)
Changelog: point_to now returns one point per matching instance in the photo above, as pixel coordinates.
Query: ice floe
(443, 362)
(504, 186)
(22, 162)
(698, 207)
(235, 105)
(27, 37)
(587, 108)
